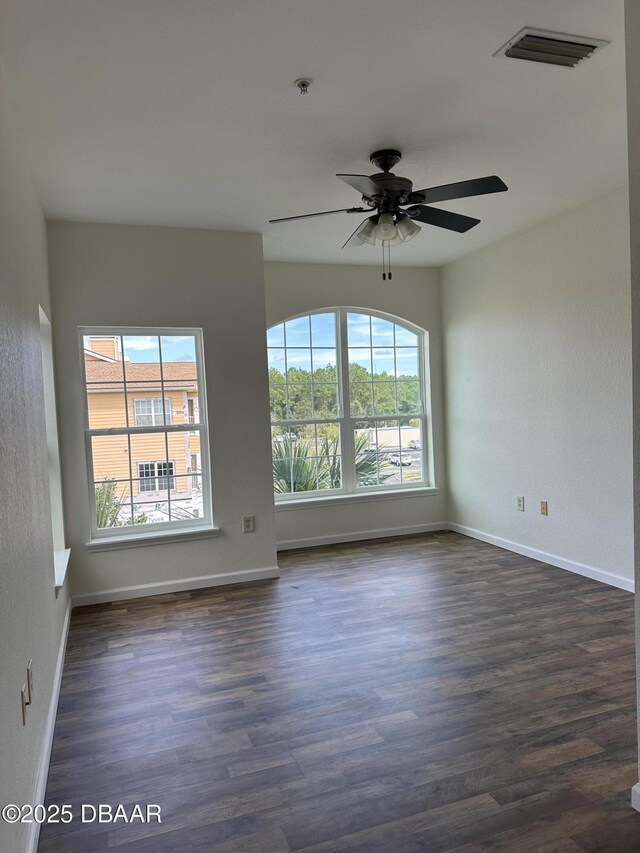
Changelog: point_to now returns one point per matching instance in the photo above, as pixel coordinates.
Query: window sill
(61, 564)
(304, 503)
(115, 543)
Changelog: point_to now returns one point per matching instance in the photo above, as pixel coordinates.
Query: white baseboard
(635, 797)
(47, 740)
(182, 585)
(560, 562)
(407, 530)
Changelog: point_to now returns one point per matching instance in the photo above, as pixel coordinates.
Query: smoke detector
(550, 48)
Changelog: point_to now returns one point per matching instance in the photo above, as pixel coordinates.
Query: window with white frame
(348, 404)
(144, 431)
(156, 476)
(148, 411)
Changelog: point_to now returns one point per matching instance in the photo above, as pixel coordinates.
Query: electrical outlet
(544, 508)
(520, 503)
(248, 523)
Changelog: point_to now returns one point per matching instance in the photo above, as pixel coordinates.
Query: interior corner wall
(120, 275)
(632, 33)
(414, 295)
(32, 619)
(537, 331)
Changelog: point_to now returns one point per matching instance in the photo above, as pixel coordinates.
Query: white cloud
(140, 342)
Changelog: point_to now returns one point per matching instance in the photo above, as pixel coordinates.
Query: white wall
(412, 295)
(538, 373)
(131, 275)
(632, 33)
(31, 618)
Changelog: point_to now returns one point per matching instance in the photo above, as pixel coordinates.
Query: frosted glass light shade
(407, 228)
(386, 227)
(368, 231)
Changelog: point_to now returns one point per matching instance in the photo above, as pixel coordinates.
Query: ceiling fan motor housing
(393, 189)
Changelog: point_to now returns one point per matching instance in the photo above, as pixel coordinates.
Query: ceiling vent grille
(550, 48)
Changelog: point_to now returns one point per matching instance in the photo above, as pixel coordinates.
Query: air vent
(550, 48)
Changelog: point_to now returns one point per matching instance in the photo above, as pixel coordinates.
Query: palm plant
(296, 470)
(369, 469)
(108, 504)
(293, 469)
(330, 464)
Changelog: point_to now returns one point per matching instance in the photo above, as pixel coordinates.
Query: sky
(146, 348)
(370, 339)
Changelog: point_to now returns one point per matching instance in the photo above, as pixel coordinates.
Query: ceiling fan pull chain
(384, 275)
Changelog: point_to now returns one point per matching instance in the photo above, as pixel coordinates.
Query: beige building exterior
(158, 461)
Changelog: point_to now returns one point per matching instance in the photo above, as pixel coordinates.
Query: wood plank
(425, 693)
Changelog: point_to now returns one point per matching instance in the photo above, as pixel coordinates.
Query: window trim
(345, 419)
(153, 414)
(153, 531)
(170, 475)
(60, 551)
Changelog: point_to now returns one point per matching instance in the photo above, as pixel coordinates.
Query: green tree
(277, 395)
(371, 393)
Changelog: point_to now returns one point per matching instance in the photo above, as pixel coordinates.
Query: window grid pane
(384, 385)
(117, 369)
(148, 411)
(398, 448)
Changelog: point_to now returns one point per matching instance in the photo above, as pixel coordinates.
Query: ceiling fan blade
(354, 240)
(323, 213)
(443, 218)
(463, 189)
(362, 183)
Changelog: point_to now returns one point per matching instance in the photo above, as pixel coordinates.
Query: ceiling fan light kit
(396, 205)
(387, 229)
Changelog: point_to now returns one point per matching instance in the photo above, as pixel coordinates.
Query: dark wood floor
(428, 693)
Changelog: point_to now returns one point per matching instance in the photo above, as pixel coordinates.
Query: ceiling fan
(396, 207)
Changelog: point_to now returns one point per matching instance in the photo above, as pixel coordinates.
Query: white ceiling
(183, 112)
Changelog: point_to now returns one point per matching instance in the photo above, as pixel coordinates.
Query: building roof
(103, 376)
(98, 356)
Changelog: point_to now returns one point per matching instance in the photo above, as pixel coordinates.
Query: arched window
(348, 412)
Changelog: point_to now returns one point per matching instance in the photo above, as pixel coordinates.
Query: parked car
(397, 459)
(415, 444)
